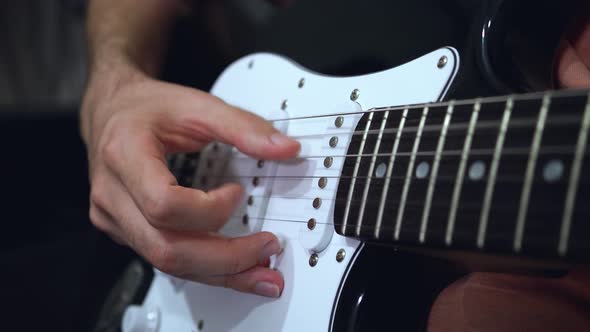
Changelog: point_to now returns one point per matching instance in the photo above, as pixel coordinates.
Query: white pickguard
(282, 199)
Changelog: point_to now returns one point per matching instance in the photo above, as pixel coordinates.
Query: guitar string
(563, 120)
(486, 100)
(393, 130)
(557, 149)
(298, 221)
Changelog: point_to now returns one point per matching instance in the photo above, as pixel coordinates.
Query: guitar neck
(500, 175)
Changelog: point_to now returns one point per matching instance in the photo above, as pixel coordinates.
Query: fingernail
(269, 249)
(267, 289)
(282, 242)
(280, 139)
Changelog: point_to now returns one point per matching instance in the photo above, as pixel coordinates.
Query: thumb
(209, 116)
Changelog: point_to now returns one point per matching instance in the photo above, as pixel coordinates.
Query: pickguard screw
(250, 200)
(245, 219)
(284, 104)
(317, 202)
(215, 147)
(260, 163)
(322, 182)
(250, 64)
(333, 141)
(328, 162)
(313, 260)
(339, 121)
(311, 224)
(442, 61)
(200, 325)
(301, 83)
(340, 255)
(354, 95)
(255, 181)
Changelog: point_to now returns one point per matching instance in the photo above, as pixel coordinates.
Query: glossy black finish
(519, 40)
(389, 289)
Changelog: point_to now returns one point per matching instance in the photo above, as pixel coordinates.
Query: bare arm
(131, 121)
(125, 39)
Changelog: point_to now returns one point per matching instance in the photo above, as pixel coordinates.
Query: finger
(163, 203)
(198, 256)
(105, 223)
(207, 117)
(257, 280)
(201, 257)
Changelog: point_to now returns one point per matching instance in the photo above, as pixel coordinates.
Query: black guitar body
(505, 46)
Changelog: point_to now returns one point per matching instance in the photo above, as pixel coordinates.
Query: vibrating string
(486, 100)
(338, 200)
(563, 120)
(519, 152)
(485, 124)
(557, 149)
(383, 226)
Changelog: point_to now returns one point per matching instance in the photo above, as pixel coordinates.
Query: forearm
(130, 32)
(126, 39)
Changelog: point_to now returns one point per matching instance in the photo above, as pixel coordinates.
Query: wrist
(106, 78)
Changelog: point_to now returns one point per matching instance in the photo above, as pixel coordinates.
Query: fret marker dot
(380, 170)
(553, 171)
(422, 170)
(477, 170)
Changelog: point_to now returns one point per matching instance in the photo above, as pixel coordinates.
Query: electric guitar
(389, 169)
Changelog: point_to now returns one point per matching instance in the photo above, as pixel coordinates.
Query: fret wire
(492, 175)
(434, 173)
(369, 175)
(355, 172)
(461, 173)
(503, 99)
(529, 173)
(574, 182)
(406, 187)
(389, 172)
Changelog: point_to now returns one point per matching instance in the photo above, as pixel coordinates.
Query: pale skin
(131, 121)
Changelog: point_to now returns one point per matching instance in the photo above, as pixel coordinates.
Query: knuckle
(98, 221)
(163, 258)
(110, 150)
(156, 208)
(97, 196)
(233, 264)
